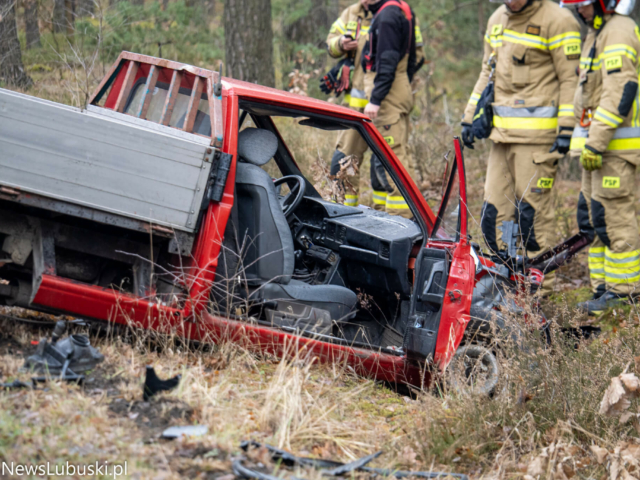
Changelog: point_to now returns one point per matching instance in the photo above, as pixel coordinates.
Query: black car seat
(266, 244)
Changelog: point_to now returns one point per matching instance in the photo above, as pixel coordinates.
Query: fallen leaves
(617, 398)
(621, 464)
(558, 461)
(335, 187)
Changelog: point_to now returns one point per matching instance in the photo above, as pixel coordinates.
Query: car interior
(302, 263)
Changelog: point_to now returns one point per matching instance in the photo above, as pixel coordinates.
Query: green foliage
(182, 32)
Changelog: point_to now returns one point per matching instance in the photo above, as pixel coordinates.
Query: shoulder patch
(533, 30)
(572, 51)
(496, 29)
(613, 63)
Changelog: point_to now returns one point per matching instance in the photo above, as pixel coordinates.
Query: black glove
(329, 82)
(562, 143)
(337, 80)
(467, 136)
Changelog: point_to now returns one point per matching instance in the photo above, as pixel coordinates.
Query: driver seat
(267, 254)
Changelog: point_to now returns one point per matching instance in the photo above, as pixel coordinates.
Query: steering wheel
(292, 199)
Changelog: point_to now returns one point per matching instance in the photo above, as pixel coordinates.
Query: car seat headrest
(257, 146)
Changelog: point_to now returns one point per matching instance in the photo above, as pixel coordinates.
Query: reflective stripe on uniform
(596, 263)
(530, 118)
(351, 200)
(610, 51)
(494, 40)
(621, 267)
(534, 41)
(380, 197)
(473, 100)
(624, 138)
(338, 26)
(607, 117)
(358, 98)
(619, 49)
(397, 203)
(565, 110)
(418, 34)
(334, 47)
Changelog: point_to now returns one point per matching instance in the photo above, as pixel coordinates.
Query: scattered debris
(328, 467)
(186, 431)
(66, 357)
(558, 460)
(153, 385)
(15, 384)
(617, 398)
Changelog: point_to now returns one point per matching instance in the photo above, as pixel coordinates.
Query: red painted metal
(195, 323)
(460, 284)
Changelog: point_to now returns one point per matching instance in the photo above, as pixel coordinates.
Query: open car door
(444, 282)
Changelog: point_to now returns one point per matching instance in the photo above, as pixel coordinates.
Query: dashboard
(373, 247)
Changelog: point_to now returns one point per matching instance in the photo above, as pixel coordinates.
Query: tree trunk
(481, 22)
(333, 10)
(31, 23)
(249, 40)
(11, 68)
(86, 8)
(58, 16)
(310, 27)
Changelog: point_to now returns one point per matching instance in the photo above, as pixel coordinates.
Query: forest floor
(542, 422)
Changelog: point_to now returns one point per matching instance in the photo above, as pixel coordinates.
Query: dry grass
(542, 421)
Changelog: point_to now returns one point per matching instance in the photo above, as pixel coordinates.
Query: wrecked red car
(172, 202)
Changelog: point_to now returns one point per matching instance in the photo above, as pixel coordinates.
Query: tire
(469, 361)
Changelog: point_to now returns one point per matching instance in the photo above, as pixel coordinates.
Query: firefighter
(533, 49)
(390, 60)
(607, 140)
(347, 38)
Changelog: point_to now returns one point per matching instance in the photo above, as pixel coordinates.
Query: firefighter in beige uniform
(535, 47)
(348, 36)
(390, 61)
(607, 139)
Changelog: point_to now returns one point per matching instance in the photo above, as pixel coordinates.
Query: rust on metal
(194, 101)
(132, 70)
(215, 103)
(160, 62)
(172, 96)
(12, 192)
(215, 112)
(145, 101)
(108, 78)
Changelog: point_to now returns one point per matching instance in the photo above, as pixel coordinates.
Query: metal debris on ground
(327, 467)
(153, 385)
(15, 384)
(66, 358)
(186, 431)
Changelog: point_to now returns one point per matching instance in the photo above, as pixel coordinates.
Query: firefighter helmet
(621, 7)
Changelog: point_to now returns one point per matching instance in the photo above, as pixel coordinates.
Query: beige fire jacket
(348, 24)
(537, 54)
(607, 101)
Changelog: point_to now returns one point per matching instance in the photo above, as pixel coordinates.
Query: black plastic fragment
(244, 472)
(336, 468)
(153, 385)
(351, 466)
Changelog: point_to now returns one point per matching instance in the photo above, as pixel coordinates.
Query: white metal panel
(103, 162)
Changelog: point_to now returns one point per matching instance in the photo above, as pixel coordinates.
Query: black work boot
(605, 301)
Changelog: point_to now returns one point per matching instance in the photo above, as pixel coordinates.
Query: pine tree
(249, 40)
(11, 68)
(31, 23)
